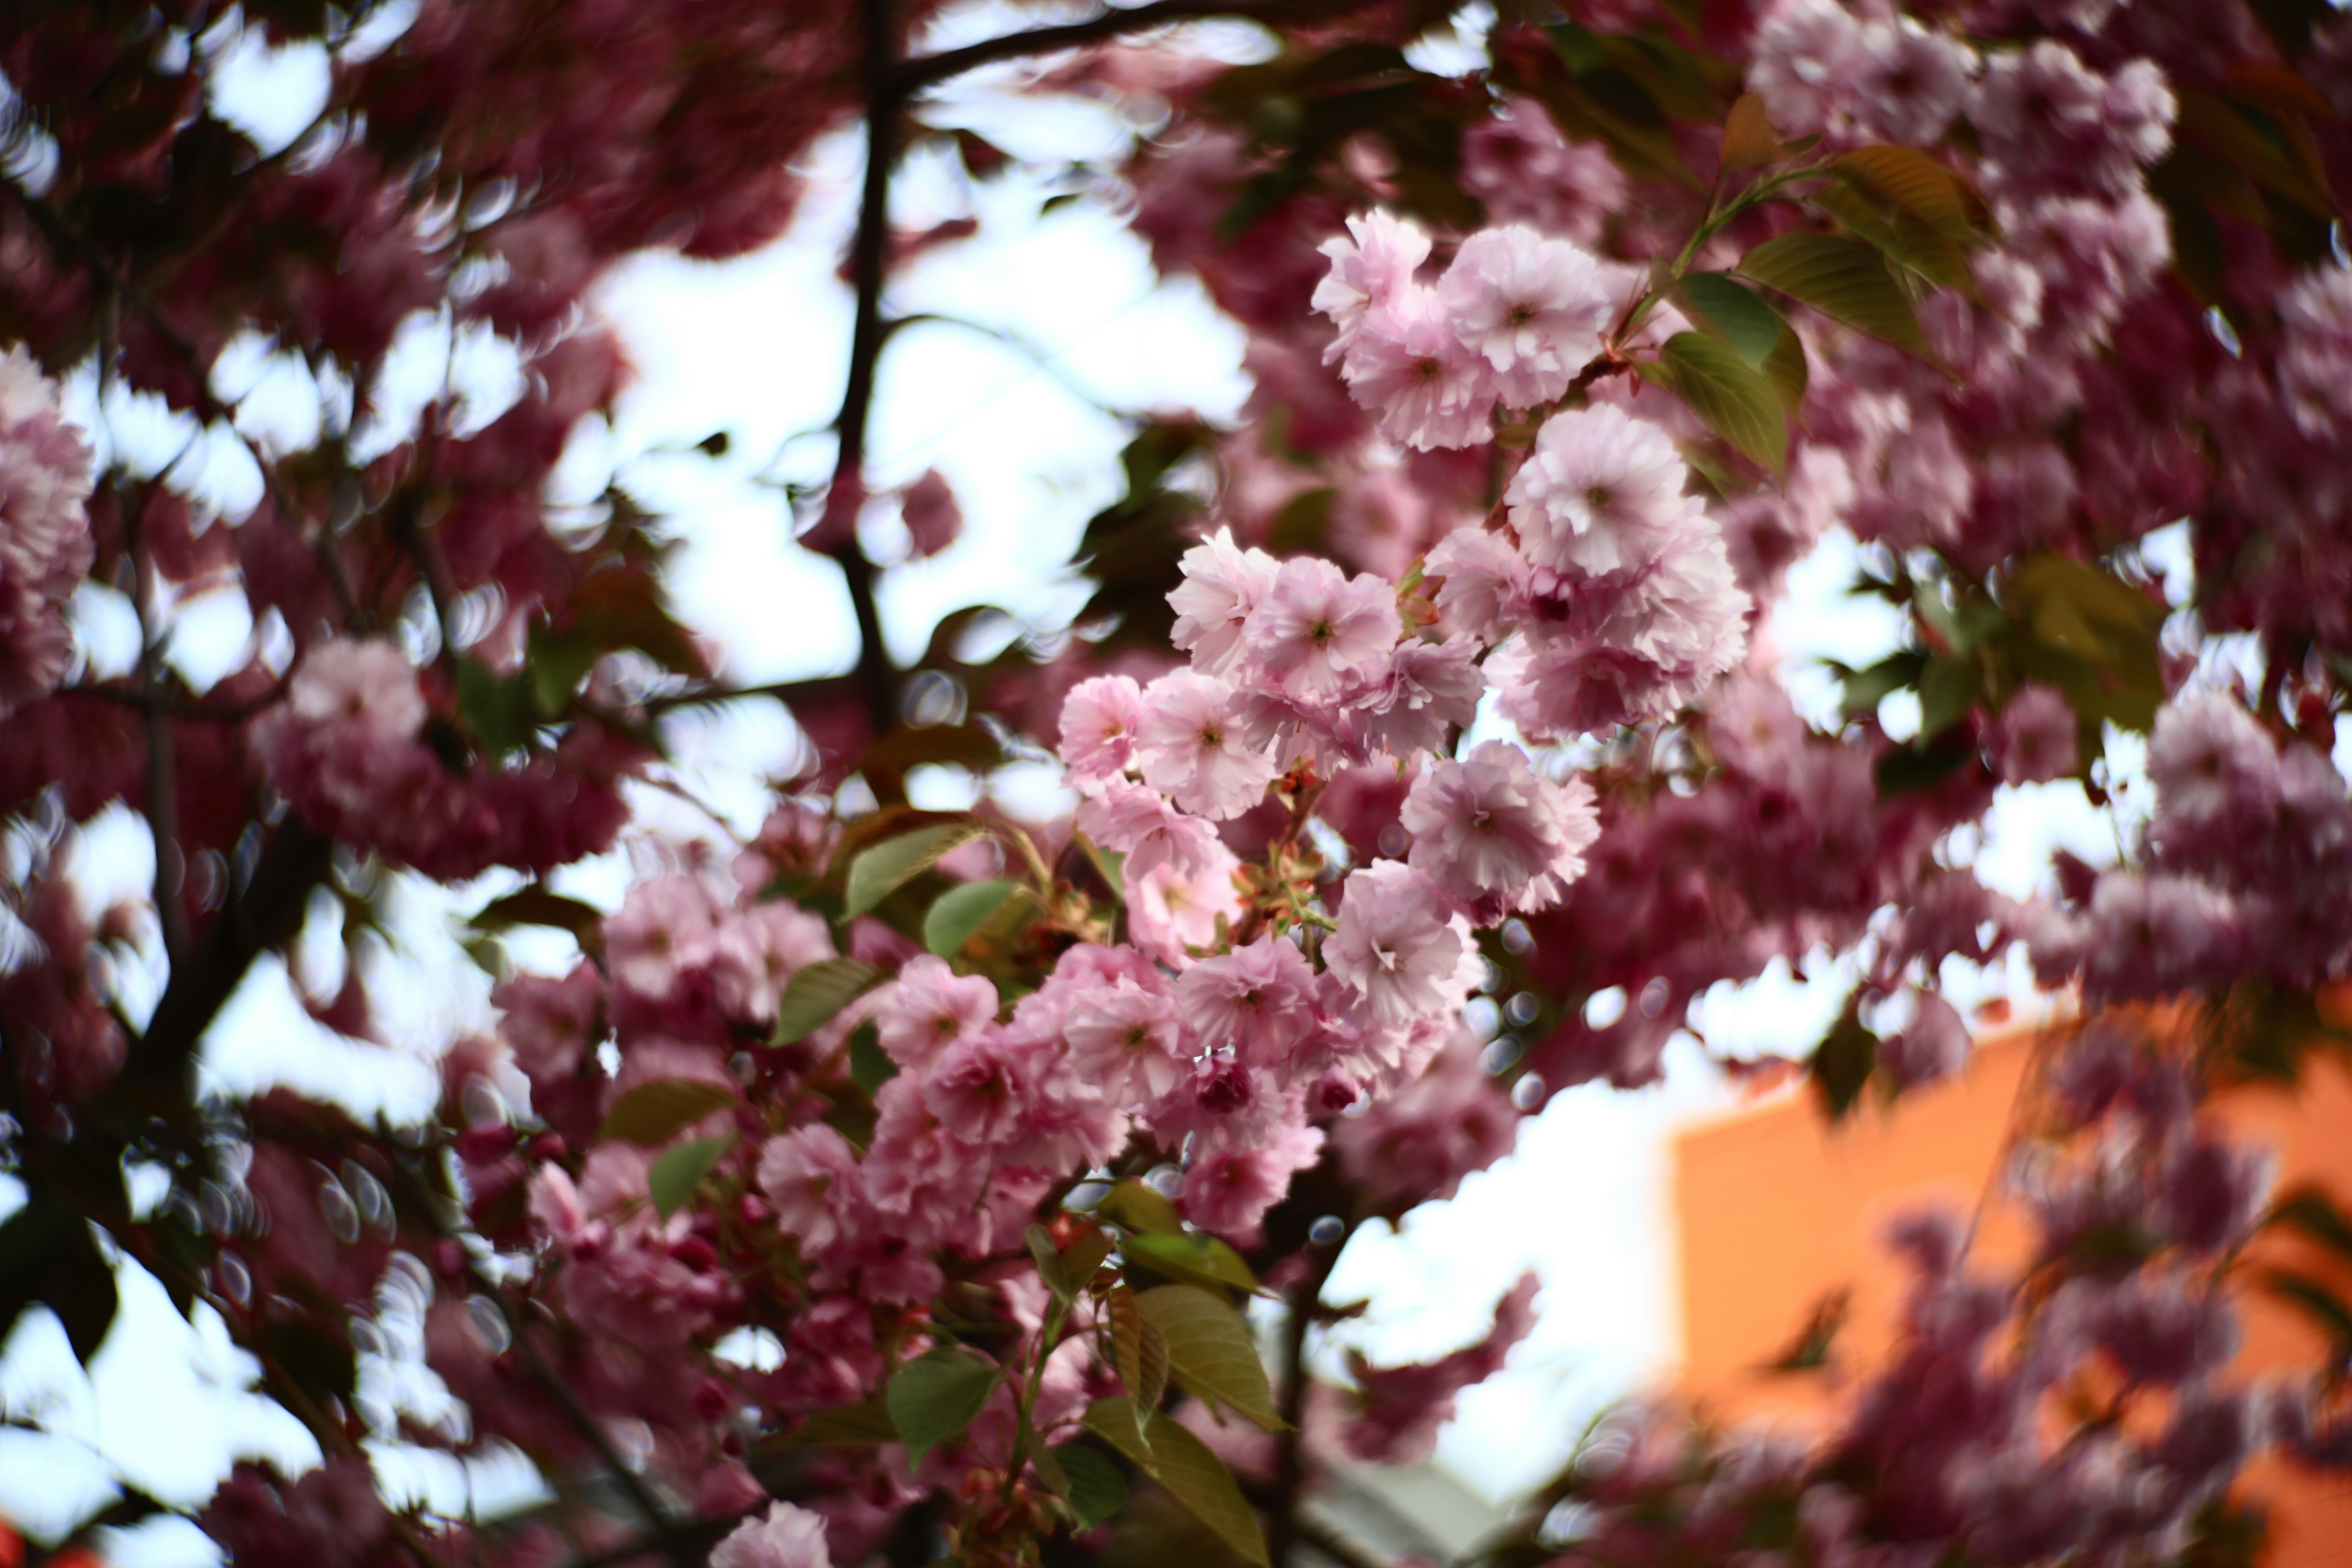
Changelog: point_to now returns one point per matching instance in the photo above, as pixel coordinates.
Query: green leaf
(934, 1397)
(849, 1426)
(1748, 140)
(1725, 309)
(1866, 688)
(1049, 1261)
(1131, 1205)
(1184, 1464)
(1908, 241)
(503, 713)
(818, 991)
(654, 1113)
(674, 1176)
(1191, 1259)
(537, 905)
(1210, 1350)
(1736, 402)
(1842, 1063)
(890, 865)
(1139, 1350)
(869, 1070)
(962, 911)
(2318, 1303)
(1949, 689)
(2312, 1213)
(1095, 1488)
(1786, 370)
(1844, 279)
(1911, 182)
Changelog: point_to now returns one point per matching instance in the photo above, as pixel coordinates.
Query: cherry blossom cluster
(45, 544)
(1514, 319)
(350, 748)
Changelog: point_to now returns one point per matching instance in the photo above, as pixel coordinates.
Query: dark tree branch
(915, 75)
(1284, 1526)
(884, 108)
(264, 914)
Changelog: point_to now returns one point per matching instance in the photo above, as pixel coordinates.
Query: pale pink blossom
(784, 1537)
(1259, 1000)
(1223, 584)
(2315, 361)
(1482, 579)
(1098, 719)
(2036, 737)
(810, 1178)
(1321, 634)
(45, 539)
(1143, 826)
(1495, 834)
(1121, 1035)
(1228, 1190)
(1393, 946)
(1425, 388)
(1519, 165)
(929, 1009)
(1369, 271)
(363, 685)
(1430, 690)
(665, 928)
(981, 1087)
(1598, 492)
(1533, 307)
(1172, 910)
(1194, 747)
(1805, 52)
(1908, 81)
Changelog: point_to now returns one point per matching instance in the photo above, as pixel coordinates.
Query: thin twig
(884, 107)
(913, 75)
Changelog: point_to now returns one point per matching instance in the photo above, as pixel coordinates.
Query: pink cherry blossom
(1496, 835)
(1258, 1000)
(1194, 746)
(2036, 737)
(981, 1085)
(1406, 365)
(1145, 826)
(1320, 634)
(1483, 580)
(929, 508)
(45, 539)
(1098, 719)
(1227, 1191)
(1533, 307)
(1223, 584)
(810, 1178)
(783, 1537)
(929, 1009)
(1121, 1035)
(1429, 690)
(1599, 492)
(1369, 271)
(1393, 947)
(1172, 910)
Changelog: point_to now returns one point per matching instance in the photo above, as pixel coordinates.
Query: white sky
(756, 347)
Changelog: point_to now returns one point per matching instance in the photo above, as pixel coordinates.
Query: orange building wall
(1777, 1210)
